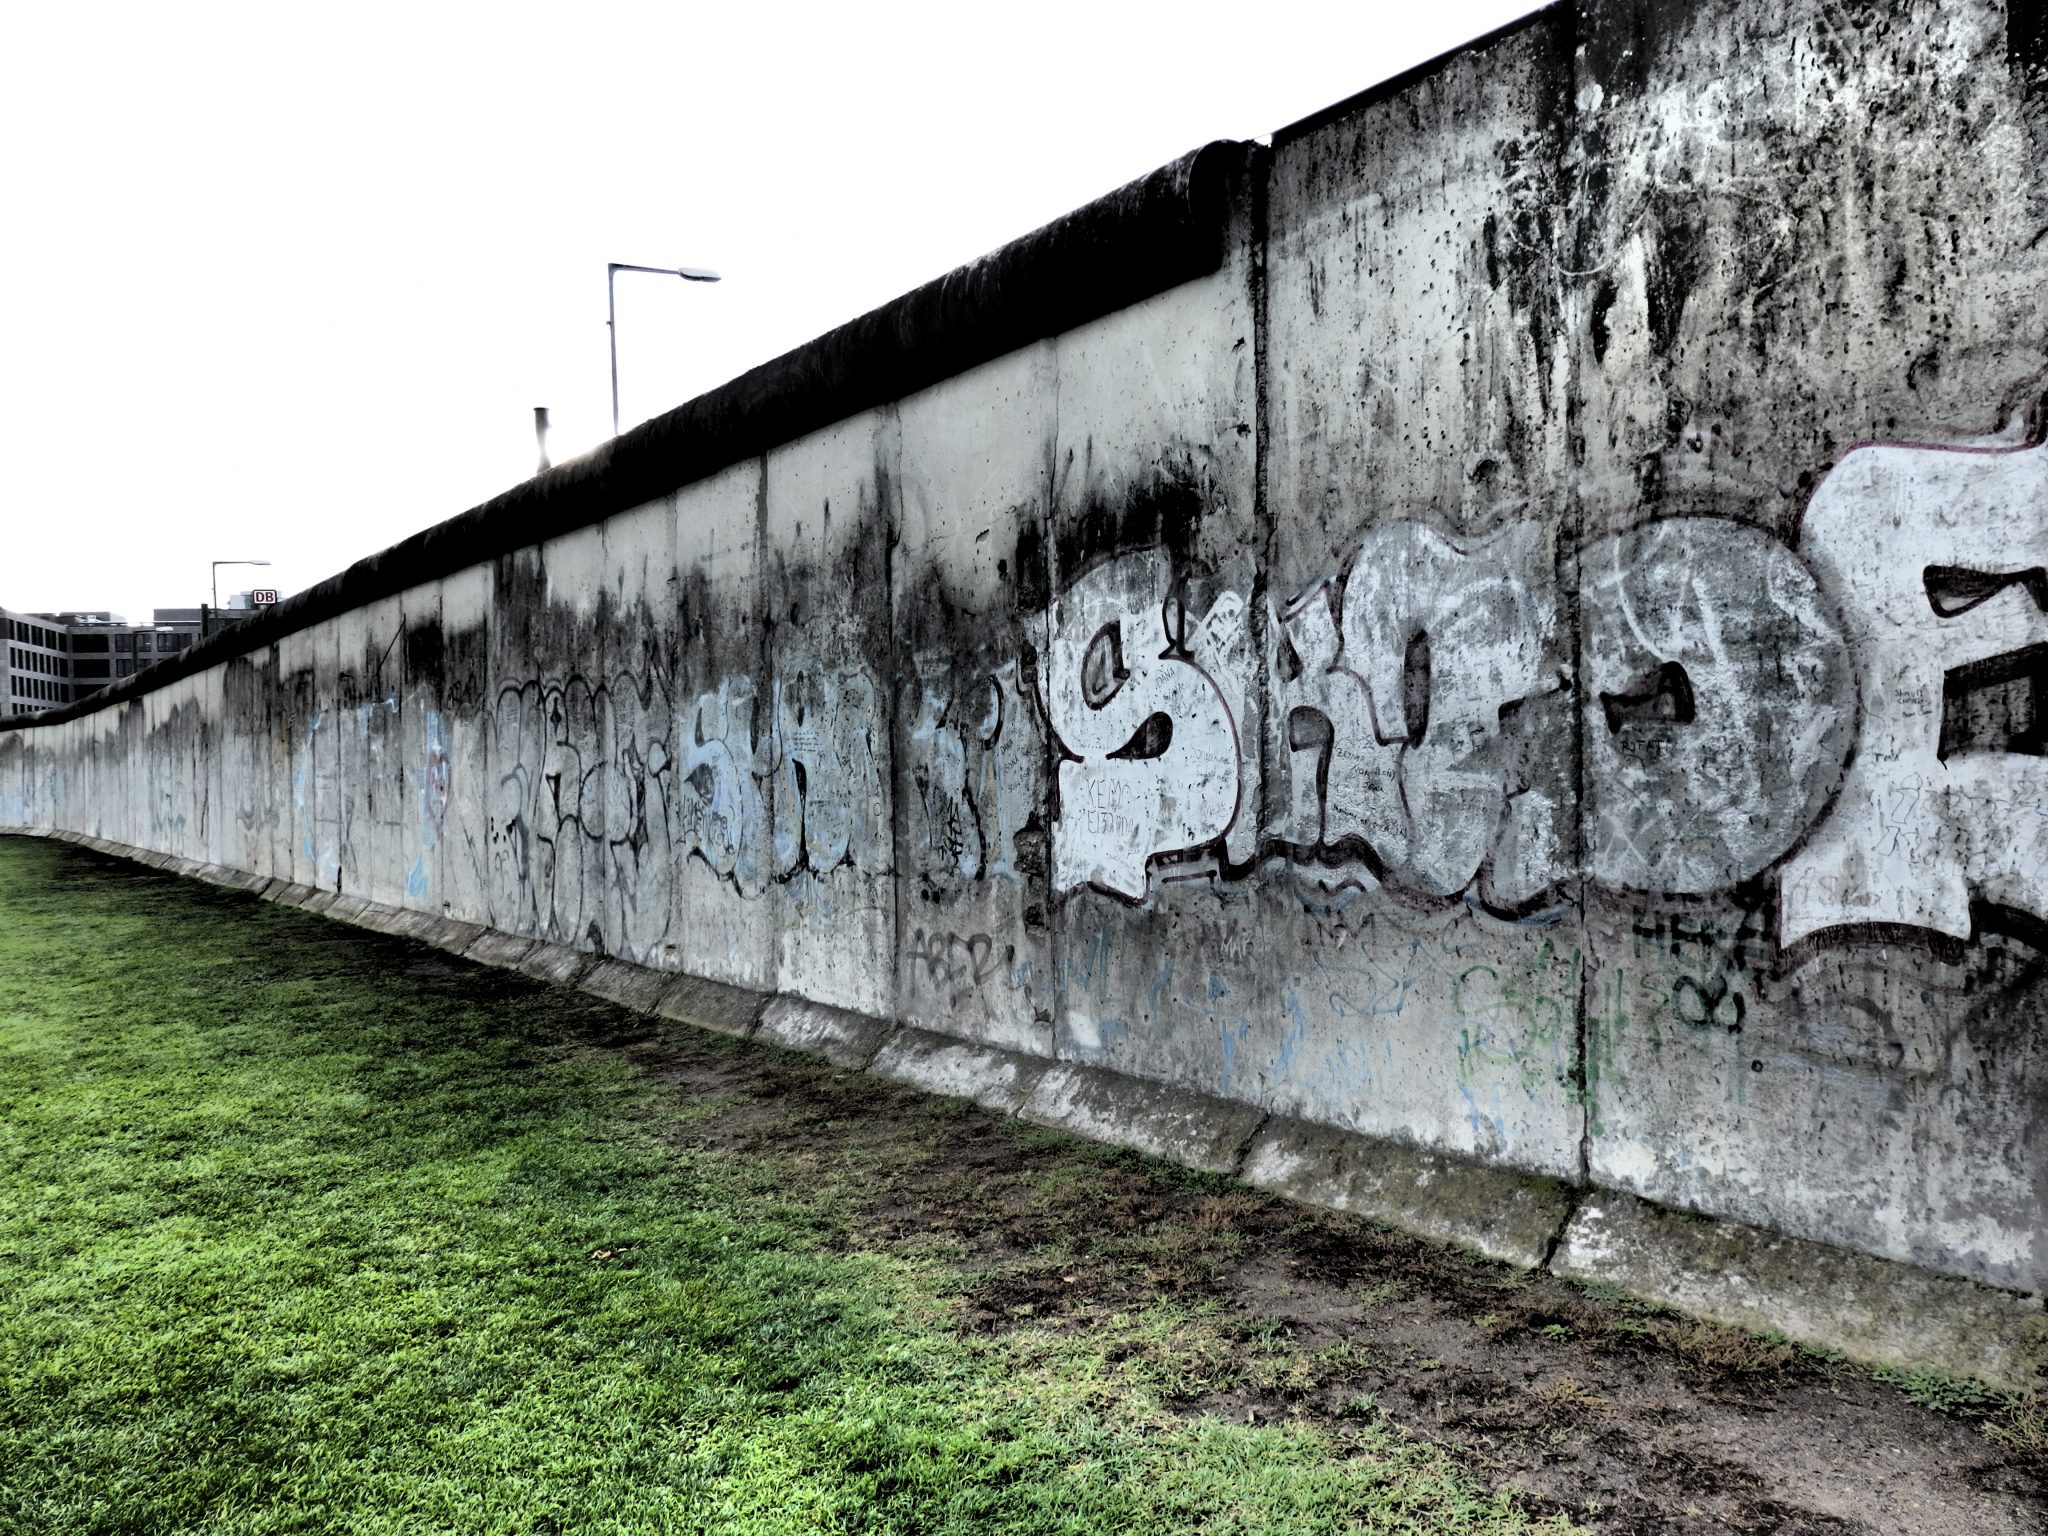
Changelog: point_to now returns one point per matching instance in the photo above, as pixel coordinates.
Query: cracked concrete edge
(620, 981)
(1496, 1212)
(960, 1069)
(846, 1039)
(712, 1005)
(377, 917)
(558, 963)
(1874, 1310)
(1155, 1118)
(494, 946)
(452, 934)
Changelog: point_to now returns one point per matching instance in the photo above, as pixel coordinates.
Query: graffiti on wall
(1939, 558)
(1855, 715)
(1848, 718)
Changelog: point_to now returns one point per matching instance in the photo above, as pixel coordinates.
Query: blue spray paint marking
(1283, 1061)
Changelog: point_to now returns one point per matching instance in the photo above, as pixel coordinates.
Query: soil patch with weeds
(1628, 1418)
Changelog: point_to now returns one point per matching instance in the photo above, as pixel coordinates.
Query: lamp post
(206, 629)
(611, 310)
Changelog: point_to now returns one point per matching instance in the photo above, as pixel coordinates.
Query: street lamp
(611, 309)
(216, 584)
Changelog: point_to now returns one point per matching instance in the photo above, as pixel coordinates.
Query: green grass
(293, 1239)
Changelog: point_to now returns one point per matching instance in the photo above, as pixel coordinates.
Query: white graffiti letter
(1938, 561)
(1150, 746)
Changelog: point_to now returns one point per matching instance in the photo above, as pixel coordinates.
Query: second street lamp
(207, 628)
(611, 310)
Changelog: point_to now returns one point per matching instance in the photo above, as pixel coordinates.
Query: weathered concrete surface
(710, 1005)
(553, 962)
(504, 950)
(1514, 1217)
(960, 1069)
(842, 1037)
(1886, 1314)
(1510, 624)
(622, 982)
(1161, 1121)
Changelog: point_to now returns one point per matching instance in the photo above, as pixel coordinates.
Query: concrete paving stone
(1513, 1217)
(960, 1069)
(554, 962)
(288, 894)
(1871, 1309)
(1156, 1118)
(845, 1039)
(320, 901)
(622, 982)
(505, 950)
(711, 1005)
(347, 909)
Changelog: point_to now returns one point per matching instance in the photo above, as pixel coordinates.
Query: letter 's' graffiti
(1137, 701)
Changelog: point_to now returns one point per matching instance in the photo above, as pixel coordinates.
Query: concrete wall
(1514, 627)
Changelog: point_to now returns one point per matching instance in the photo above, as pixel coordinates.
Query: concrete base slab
(845, 1039)
(379, 918)
(622, 982)
(230, 879)
(959, 1069)
(414, 925)
(711, 1005)
(1508, 1216)
(1153, 1118)
(554, 962)
(346, 909)
(285, 894)
(319, 901)
(1870, 1309)
(504, 950)
(451, 934)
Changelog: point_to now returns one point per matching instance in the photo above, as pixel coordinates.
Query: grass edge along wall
(1508, 624)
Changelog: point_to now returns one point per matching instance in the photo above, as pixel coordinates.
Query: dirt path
(1629, 1419)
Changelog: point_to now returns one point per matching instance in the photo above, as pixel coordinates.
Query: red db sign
(263, 597)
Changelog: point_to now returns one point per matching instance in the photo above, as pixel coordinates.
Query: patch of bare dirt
(1631, 1420)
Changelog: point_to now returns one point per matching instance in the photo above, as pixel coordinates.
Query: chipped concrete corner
(1502, 690)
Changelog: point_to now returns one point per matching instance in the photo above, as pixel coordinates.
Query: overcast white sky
(286, 281)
